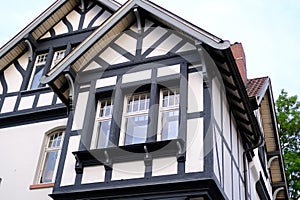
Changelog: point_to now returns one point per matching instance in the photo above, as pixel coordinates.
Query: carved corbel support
(276, 192)
(138, 19)
(148, 157)
(107, 161)
(180, 152)
(78, 165)
(30, 48)
(271, 160)
(71, 88)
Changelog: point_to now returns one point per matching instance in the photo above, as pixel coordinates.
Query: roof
(164, 15)
(261, 89)
(39, 26)
(256, 87)
(59, 76)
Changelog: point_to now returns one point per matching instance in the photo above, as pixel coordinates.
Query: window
(135, 120)
(103, 122)
(38, 71)
(50, 157)
(58, 56)
(169, 114)
(144, 111)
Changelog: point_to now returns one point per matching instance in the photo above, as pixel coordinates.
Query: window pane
(55, 140)
(136, 129)
(106, 108)
(37, 76)
(170, 98)
(170, 124)
(48, 171)
(104, 129)
(138, 103)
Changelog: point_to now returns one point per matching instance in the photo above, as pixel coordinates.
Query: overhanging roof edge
(165, 15)
(22, 34)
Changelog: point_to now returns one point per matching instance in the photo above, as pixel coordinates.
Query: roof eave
(30, 27)
(196, 32)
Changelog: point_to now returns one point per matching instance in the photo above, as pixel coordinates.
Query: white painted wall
(20, 149)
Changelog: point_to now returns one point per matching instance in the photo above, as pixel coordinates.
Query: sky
(268, 29)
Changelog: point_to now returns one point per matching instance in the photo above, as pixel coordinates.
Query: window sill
(41, 185)
(143, 151)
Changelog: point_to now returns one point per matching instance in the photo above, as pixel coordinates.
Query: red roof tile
(256, 85)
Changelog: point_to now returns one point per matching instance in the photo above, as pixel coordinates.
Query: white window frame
(168, 108)
(99, 119)
(45, 150)
(127, 113)
(40, 61)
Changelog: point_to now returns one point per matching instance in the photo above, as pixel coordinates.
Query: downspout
(260, 143)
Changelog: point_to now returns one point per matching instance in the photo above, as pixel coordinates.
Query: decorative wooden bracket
(30, 48)
(138, 19)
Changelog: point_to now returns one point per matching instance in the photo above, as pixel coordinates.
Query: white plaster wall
(195, 92)
(168, 70)
(218, 156)
(128, 170)
(152, 37)
(13, 79)
(23, 60)
(90, 15)
(20, 148)
(127, 42)
(186, 47)
(195, 149)
(1, 89)
(236, 192)
(45, 99)
(164, 166)
(136, 76)
(60, 28)
(80, 111)
(9, 104)
(216, 100)
(102, 18)
(74, 19)
(112, 57)
(227, 173)
(26, 102)
(104, 82)
(69, 174)
(92, 65)
(165, 46)
(93, 174)
(226, 121)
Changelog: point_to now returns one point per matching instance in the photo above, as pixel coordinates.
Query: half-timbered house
(100, 100)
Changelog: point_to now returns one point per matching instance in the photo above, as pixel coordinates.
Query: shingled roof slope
(257, 86)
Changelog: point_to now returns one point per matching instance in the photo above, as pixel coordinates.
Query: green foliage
(288, 116)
